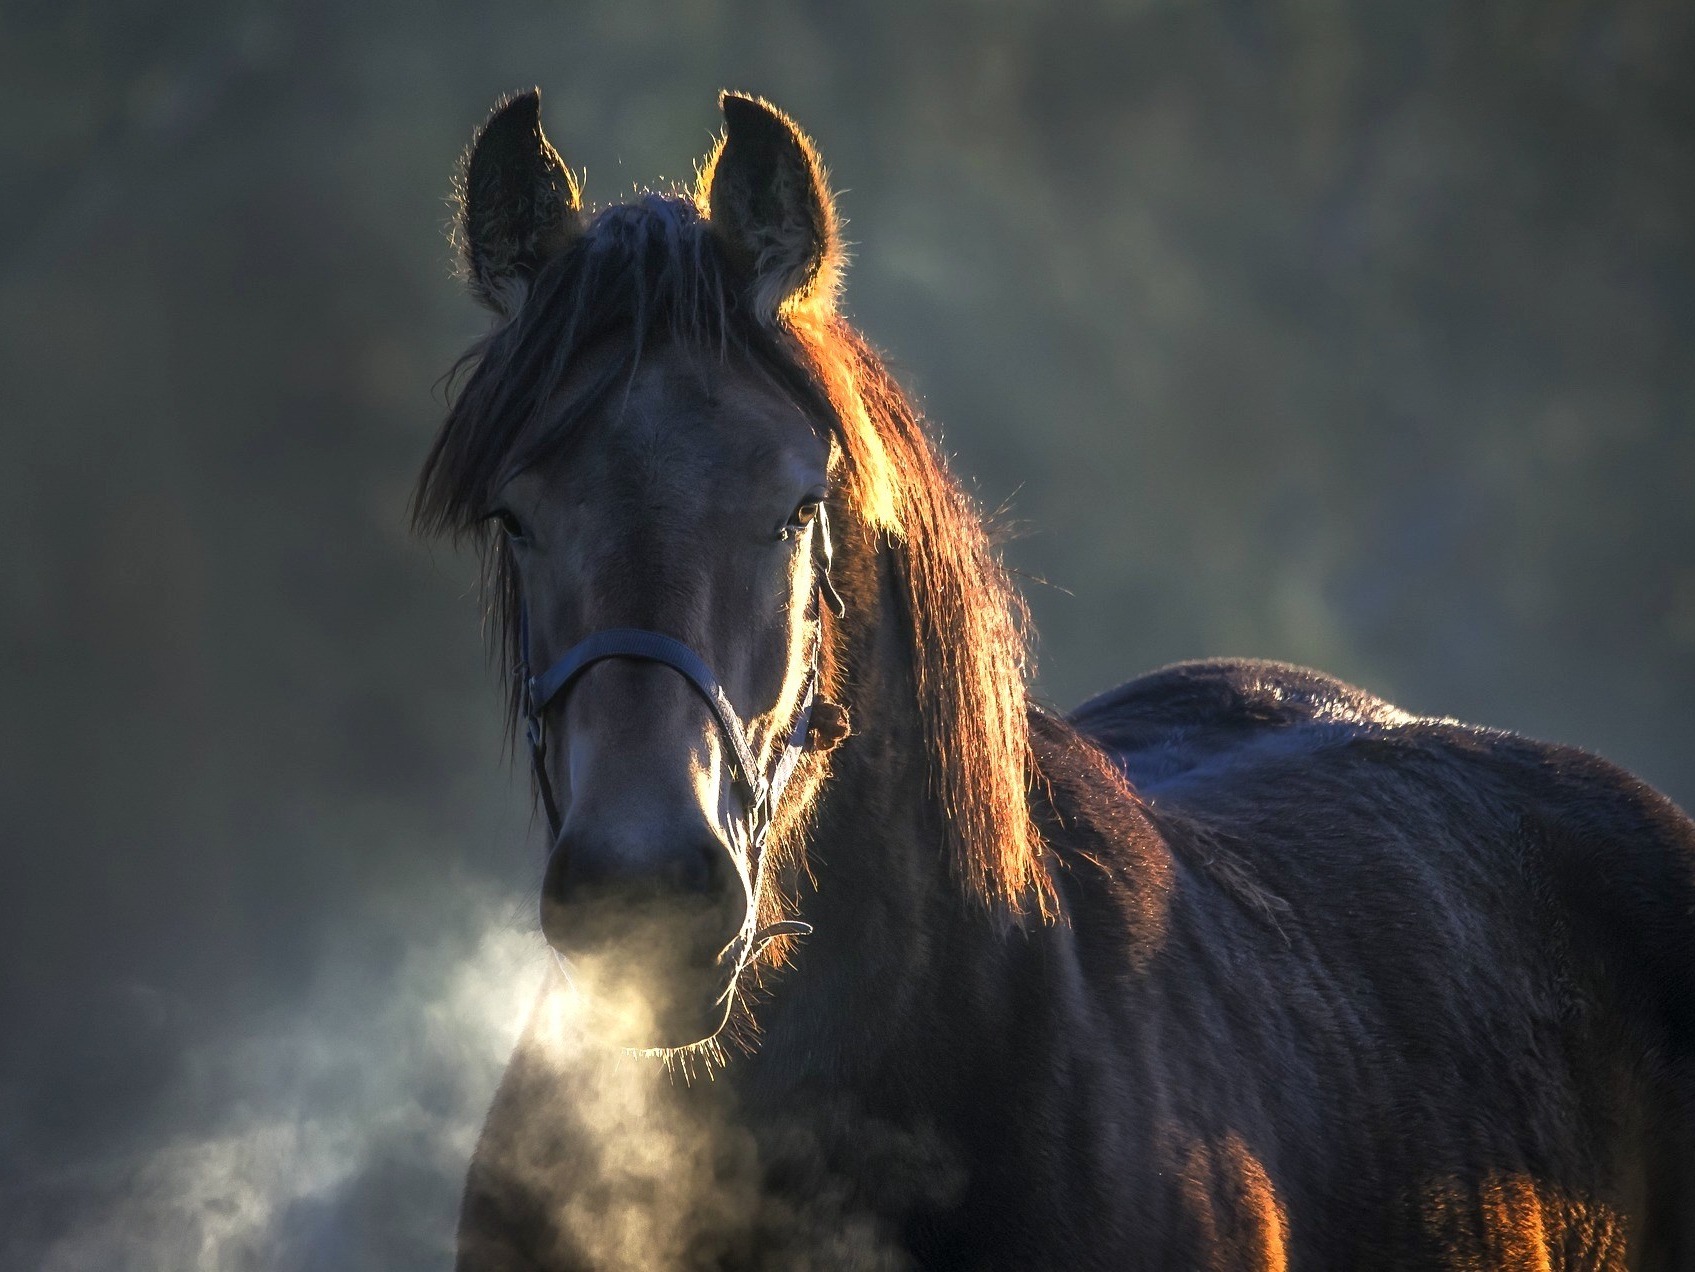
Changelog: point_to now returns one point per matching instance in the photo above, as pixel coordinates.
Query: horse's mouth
(640, 1012)
(654, 979)
(648, 985)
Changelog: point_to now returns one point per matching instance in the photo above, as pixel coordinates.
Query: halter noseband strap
(759, 792)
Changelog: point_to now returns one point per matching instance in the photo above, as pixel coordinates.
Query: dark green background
(1356, 334)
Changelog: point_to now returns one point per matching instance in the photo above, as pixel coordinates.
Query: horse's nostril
(582, 865)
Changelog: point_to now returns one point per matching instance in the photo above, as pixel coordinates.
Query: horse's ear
(763, 188)
(519, 205)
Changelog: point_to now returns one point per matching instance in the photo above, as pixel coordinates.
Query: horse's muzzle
(643, 932)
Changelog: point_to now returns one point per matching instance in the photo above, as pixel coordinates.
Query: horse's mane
(652, 271)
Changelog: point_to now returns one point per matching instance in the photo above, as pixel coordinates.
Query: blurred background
(1354, 334)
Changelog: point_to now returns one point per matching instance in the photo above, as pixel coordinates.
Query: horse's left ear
(519, 204)
(764, 190)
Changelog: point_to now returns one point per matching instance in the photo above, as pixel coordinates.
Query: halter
(759, 792)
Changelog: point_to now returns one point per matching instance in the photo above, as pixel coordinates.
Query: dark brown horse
(1235, 967)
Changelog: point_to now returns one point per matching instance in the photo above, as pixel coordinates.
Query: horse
(874, 962)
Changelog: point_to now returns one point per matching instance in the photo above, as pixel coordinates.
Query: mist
(1355, 335)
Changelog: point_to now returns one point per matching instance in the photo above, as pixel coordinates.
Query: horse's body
(1298, 980)
(1435, 1012)
(1344, 988)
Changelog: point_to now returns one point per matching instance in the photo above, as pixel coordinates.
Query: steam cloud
(357, 1115)
(345, 1098)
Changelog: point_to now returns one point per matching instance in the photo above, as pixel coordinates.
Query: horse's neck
(899, 959)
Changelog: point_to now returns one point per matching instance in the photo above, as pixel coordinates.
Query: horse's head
(654, 446)
(651, 475)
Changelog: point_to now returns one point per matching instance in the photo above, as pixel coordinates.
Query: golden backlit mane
(970, 653)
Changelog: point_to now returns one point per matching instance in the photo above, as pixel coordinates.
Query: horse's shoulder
(1179, 717)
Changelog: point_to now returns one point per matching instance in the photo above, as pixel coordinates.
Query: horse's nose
(607, 883)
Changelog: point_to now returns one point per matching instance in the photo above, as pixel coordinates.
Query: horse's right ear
(519, 205)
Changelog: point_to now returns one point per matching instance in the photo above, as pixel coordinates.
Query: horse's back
(1360, 815)
(1183, 717)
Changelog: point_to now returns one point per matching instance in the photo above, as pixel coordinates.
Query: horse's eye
(802, 516)
(510, 525)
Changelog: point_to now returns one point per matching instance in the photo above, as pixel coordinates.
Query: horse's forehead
(693, 417)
